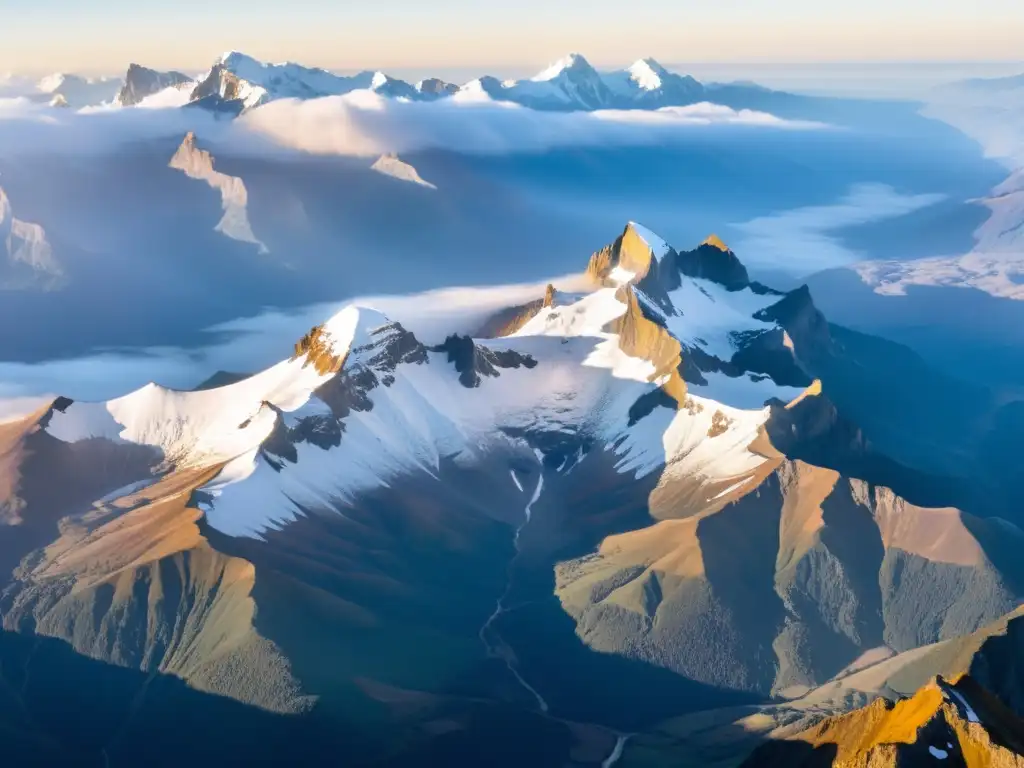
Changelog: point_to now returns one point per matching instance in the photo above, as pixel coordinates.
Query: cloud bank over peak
(363, 123)
(367, 124)
(805, 240)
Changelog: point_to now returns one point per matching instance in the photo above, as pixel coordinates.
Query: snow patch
(515, 479)
(687, 443)
(621, 276)
(710, 317)
(557, 68)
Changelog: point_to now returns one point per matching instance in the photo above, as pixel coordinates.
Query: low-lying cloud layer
(365, 124)
(28, 128)
(251, 344)
(804, 240)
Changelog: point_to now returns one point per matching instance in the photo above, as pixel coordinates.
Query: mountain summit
(385, 545)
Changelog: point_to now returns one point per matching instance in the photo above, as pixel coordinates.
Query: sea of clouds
(365, 124)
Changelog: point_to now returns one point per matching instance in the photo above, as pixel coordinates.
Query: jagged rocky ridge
(647, 477)
(141, 82)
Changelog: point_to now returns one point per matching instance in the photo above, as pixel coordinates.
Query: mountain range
(631, 523)
(237, 82)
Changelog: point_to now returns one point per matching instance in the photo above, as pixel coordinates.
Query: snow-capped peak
(76, 91)
(247, 68)
(657, 245)
(51, 83)
(647, 74)
(217, 425)
(239, 78)
(570, 81)
(649, 83)
(573, 64)
(236, 60)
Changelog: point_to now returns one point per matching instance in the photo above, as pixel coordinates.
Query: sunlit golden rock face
(716, 242)
(315, 346)
(943, 723)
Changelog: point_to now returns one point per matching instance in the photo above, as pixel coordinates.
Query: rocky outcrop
(713, 260)
(221, 87)
(435, 88)
(140, 82)
(197, 164)
(474, 361)
(392, 165)
(316, 349)
(642, 338)
(370, 366)
(803, 322)
(26, 256)
(632, 259)
(630, 252)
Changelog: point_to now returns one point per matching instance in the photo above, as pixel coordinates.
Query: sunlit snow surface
(583, 384)
(208, 426)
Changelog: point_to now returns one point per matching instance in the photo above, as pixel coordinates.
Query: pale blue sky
(103, 35)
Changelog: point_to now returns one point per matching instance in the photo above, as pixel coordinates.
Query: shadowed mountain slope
(639, 504)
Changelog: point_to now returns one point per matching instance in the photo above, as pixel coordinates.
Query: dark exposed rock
(769, 353)
(473, 361)
(711, 260)
(802, 320)
(370, 366)
(648, 402)
(435, 87)
(141, 82)
(210, 87)
(812, 429)
(323, 431)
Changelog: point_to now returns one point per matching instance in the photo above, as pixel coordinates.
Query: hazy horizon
(454, 34)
